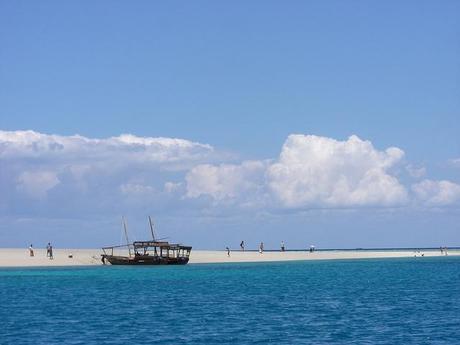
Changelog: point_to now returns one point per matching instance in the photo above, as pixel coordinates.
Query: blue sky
(241, 77)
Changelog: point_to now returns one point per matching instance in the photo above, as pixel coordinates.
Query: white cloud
(437, 193)
(90, 170)
(455, 162)
(416, 172)
(116, 150)
(311, 171)
(136, 189)
(225, 181)
(172, 187)
(37, 184)
(320, 171)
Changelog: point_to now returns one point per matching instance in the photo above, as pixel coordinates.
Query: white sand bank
(221, 256)
(14, 257)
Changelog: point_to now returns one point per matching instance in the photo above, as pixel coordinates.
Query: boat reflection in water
(153, 252)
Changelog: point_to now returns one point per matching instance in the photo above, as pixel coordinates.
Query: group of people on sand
(49, 251)
(261, 247)
(442, 249)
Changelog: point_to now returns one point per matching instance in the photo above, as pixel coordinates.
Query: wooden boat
(152, 252)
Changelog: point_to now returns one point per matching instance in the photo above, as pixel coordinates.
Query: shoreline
(19, 257)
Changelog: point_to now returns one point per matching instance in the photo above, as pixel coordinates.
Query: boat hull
(144, 260)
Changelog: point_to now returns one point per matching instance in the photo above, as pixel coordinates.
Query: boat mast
(151, 228)
(126, 235)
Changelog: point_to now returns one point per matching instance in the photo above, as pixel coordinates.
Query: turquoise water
(385, 301)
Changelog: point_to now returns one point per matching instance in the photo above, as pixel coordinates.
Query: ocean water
(382, 301)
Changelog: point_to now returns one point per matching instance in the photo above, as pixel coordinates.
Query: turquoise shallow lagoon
(382, 301)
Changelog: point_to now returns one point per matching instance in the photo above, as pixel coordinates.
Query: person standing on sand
(31, 251)
(228, 251)
(48, 246)
(282, 246)
(50, 251)
(242, 245)
(261, 247)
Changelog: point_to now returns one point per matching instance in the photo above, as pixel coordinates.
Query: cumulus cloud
(68, 173)
(311, 171)
(89, 173)
(314, 170)
(437, 193)
(225, 181)
(416, 172)
(136, 189)
(37, 184)
(455, 162)
(172, 187)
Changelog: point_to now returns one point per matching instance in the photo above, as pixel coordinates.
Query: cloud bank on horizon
(52, 173)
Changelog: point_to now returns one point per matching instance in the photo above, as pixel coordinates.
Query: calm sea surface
(384, 301)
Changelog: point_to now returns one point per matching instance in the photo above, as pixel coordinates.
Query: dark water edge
(376, 249)
(364, 301)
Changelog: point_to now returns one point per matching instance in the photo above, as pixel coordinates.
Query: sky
(313, 122)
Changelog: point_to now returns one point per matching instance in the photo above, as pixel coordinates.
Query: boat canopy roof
(147, 244)
(144, 244)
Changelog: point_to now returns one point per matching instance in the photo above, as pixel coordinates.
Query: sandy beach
(19, 257)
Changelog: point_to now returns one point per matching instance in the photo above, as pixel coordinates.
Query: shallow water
(382, 301)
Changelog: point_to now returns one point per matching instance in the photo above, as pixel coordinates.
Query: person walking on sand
(228, 251)
(261, 248)
(48, 249)
(31, 251)
(242, 245)
(282, 246)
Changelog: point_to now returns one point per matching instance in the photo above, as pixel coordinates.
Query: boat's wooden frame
(154, 252)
